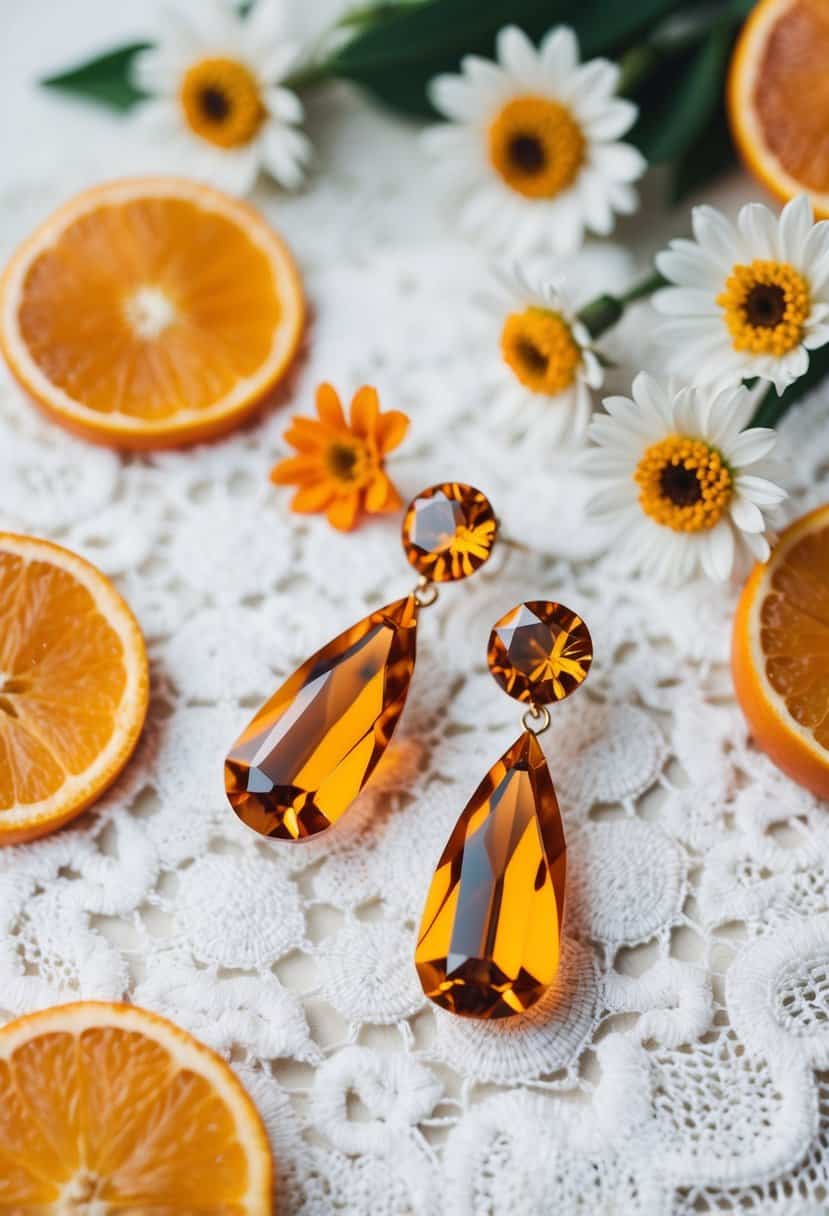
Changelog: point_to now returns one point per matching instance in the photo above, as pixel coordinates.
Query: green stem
(770, 410)
(640, 62)
(605, 311)
(305, 77)
(645, 287)
(370, 14)
(636, 65)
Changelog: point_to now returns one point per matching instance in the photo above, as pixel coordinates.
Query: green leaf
(398, 57)
(772, 408)
(741, 8)
(711, 154)
(666, 133)
(105, 79)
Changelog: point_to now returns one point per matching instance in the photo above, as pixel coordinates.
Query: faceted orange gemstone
(540, 652)
(449, 531)
(310, 749)
(489, 940)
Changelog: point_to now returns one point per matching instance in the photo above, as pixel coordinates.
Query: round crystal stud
(540, 652)
(449, 531)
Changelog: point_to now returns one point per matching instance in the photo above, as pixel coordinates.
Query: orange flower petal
(391, 429)
(306, 434)
(393, 502)
(314, 470)
(328, 406)
(365, 409)
(295, 469)
(342, 513)
(380, 492)
(310, 499)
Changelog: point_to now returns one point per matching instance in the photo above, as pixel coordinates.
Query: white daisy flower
(686, 487)
(544, 368)
(217, 110)
(748, 300)
(533, 141)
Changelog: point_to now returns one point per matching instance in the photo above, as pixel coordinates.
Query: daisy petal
(751, 446)
(609, 500)
(592, 84)
(685, 301)
(715, 234)
(796, 221)
(284, 104)
(718, 554)
(559, 52)
(685, 264)
(816, 337)
(285, 153)
(453, 96)
(816, 256)
(597, 210)
(759, 490)
(593, 370)
(615, 119)
(156, 71)
(747, 515)
(276, 63)
(264, 24)
(515, 51)
(759, 229)
(620, 161)
(758, 545)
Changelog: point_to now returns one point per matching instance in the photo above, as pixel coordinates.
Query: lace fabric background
(680, 1064)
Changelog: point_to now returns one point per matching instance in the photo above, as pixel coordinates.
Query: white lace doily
(678, 1066)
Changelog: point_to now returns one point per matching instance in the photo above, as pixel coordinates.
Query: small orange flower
(339, 466)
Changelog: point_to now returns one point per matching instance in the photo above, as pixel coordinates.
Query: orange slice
(73, 686)
(778, 98)
(149, 313)
(110, 1109)
(780, 654)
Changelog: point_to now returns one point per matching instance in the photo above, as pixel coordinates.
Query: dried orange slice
(780, 653)
(149, 313)
(778, 98)
(73, 686)
(111, 1109)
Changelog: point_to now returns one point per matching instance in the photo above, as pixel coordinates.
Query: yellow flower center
(766, 306)
(221, 101)
(349, 463)
(683, 484)
(536, 146)
(540, 348)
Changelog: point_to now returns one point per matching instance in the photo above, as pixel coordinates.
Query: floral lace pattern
(679, 1064)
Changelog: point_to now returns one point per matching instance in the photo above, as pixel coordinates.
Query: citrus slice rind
(114, 1108)
(784, 30)
(793, 741)
(45, 714)
(95, 332)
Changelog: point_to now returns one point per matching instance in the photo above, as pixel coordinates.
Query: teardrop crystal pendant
(310, 749)
(490, 937)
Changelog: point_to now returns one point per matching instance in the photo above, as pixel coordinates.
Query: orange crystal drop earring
(490, 936)
(307, 753)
